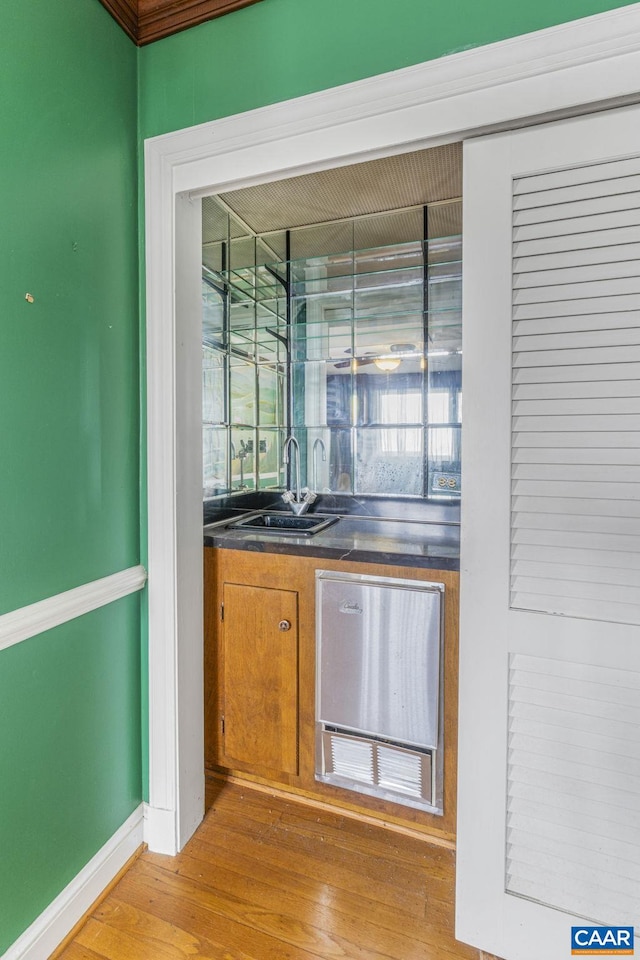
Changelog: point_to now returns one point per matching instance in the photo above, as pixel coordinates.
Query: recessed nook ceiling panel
(390, 183)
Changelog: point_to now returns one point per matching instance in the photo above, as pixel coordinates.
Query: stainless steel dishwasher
(379, 687)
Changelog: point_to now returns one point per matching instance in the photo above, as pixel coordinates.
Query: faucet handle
(288, 496)
(309, 496)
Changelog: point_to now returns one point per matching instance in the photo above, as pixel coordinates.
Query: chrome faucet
(301, 500)
(244, 453)
(317, 442)
(286, 458)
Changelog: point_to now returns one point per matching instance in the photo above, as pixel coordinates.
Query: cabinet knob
(284, 625)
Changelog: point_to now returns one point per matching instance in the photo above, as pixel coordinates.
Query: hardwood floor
(267, 878)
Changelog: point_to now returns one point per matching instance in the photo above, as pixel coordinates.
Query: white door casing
(549, 768)
(566, 69)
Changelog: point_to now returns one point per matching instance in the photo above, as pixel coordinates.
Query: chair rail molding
(574, 68)
(29, 621)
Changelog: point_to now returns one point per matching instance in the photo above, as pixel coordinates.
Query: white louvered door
(549, 778)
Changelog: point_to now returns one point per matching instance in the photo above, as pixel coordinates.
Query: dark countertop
(407, 543)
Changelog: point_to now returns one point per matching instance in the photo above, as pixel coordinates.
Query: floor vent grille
(379, 768)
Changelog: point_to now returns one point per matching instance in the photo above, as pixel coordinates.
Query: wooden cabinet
(260, 680)
(259, 667)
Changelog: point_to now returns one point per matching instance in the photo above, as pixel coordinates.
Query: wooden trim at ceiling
(148, 20)
(161, 18)
(125, 12)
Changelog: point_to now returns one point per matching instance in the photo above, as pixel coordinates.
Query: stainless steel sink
(278, 522)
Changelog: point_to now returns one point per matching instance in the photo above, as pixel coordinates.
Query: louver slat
(567, 339)
(579, 524)
(574, 389)
(567, 209)
(574, 572)
(554, 273)
(605, 372)
(613, 220)
(568, 555)
(620, 303)
(577, 290)
(611, 455)
(576, 473)
(581, 406)
(562, 439)
(594, 173)
(600, 256)
(585, 240)
(576, 393)
(578, 191)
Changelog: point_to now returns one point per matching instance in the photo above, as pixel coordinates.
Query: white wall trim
(573, 68)
(29, 621)
(160, 829)
(54, 923)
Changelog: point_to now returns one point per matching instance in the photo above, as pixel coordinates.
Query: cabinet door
(260, 679)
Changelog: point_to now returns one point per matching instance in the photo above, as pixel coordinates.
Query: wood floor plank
(304, 818)
(122, 931)
(308, 833)
(313, 889)
(75, 951)
(267, 878)
(320, 881)
(330, 918)
(214, 918)
(110, 941)
(293, 928)
(308, 864)
(368, 871)
(393, 847)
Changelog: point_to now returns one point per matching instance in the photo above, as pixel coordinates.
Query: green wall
(69, 429)
(69, 754)
(279, 49)
(70, 764)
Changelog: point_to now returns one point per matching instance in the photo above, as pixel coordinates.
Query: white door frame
(584, 65)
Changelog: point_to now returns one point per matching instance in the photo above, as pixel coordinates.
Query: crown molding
(161, 18)
(148, 20)
(124, 12)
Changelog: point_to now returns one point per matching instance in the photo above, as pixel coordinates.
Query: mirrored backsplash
(345, 335)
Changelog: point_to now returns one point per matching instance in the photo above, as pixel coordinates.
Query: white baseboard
(51, 927)
(160, 833)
